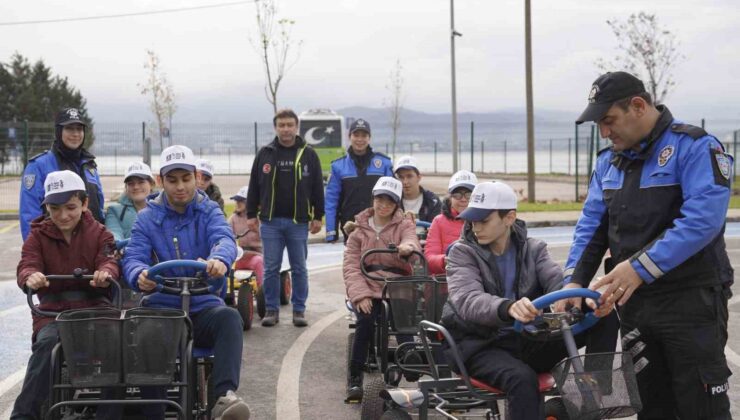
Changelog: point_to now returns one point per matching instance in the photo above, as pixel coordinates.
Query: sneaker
(354, 389)
(230, 407)
(271, 318)
(299, 319)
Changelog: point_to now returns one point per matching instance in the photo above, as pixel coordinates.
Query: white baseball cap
(389, 186)
(176, 157)
(406, 162)
(138, 169)
(463, 178)
(241, 195)
(59, 186)
(205, 166)
(487, 197)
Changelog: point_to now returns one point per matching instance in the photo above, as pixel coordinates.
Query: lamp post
(530, 111)
(453, 34)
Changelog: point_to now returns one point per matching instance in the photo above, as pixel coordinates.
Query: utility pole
(453, 34)
(530, 111)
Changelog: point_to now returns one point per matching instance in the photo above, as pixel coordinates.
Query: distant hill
(409, 116)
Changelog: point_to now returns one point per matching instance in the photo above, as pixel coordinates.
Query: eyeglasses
(460, 195)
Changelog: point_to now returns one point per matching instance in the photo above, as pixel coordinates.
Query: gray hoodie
(475, 310)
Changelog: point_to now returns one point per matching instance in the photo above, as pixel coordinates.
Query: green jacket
(120, 218)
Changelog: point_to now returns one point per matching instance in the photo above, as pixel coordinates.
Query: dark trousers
(512, 363)
(37, 382)
(364, 330)
(677, 343)
(219, 328)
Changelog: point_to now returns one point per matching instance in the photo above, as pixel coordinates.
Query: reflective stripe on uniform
(650, 266)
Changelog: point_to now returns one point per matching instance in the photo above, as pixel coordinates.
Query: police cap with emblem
(359, 125)
(607, 89)
(69, 116)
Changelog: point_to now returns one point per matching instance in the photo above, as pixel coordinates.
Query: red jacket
(445, 230)
(401, 230)
(46, 251)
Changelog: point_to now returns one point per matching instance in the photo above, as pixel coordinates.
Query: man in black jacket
(423, 203)
(286, 192)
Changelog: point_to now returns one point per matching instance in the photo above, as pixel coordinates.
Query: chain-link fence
(562, 150)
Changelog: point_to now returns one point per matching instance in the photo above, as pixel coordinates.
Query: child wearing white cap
(493, 274)
(120, 216)
(204, 176)
(376, 227)
(446, 227)
(424, 204)
(67, 239)
(248, 239)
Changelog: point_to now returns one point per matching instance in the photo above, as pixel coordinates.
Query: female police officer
(68, 153)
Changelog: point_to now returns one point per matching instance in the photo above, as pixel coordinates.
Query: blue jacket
(201, 232)
(349, 190)
(120, 218)
(32, 190)
(662, 208)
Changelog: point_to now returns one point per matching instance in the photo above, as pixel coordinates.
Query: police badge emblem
(723, 164)
(29, 180)
(377, 163)
(665, 155)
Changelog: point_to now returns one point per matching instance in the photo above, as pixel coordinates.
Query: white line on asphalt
(323, 268)
(12, 310)
(732, 356)
(11, 381)
(10, 227)
(289, 380)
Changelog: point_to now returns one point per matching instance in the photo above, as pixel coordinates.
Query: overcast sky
(350, 46)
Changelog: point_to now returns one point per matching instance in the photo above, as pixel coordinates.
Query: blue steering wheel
(156, 271)
(545, 301)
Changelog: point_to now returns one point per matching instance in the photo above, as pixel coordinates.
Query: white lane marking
(733, 357)
(11, 381)
(12, 310)
(288, 384)
(10, 227)
(323, 268)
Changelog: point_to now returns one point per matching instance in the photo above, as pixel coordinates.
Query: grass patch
(327, 155)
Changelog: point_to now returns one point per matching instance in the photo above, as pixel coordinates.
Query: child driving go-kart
(377, 227)
(182, 223)
(493, 273)
(70, 238)
(248, 240)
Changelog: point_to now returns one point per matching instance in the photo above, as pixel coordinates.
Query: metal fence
(561, 149)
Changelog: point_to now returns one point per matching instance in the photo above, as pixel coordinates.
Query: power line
(151, 12)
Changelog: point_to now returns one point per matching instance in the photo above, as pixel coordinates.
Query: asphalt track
(287, 372)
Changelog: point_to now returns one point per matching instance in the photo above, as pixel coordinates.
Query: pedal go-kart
(590, 386)
(407, 300)
(244, 291)
(106, 355)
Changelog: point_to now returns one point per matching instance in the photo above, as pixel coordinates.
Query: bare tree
(647, 51)
(162, 100)
(276, 46)
(395, 103)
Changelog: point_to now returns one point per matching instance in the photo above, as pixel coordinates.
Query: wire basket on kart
(414, 299)
(151, 341)
(91, 343)
(605, 387)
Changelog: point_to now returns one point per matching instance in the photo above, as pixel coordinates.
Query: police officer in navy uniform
(67, 153)
(658, 200)
(352, 179)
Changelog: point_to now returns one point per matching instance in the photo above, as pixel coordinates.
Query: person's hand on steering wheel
(405, 250)
(215, 268)
(145, 285)
(523, 310)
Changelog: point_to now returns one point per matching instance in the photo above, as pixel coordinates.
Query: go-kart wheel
(395, 414)
(286, 287)
(555, 409)
(245, 305)
(373, 405)
(261, 306)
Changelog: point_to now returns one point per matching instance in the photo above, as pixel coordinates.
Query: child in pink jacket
(249, 240)
(376, 227)
(446, 227)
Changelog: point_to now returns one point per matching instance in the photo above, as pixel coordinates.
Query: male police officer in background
(352, 178)
(658, 199)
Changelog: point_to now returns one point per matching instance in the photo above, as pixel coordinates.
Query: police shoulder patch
(691, 130)
(721, 166)
(29, 180)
